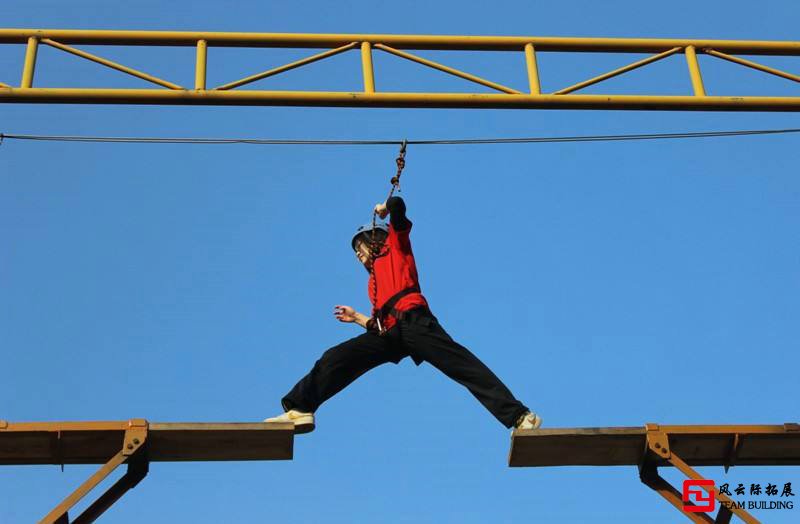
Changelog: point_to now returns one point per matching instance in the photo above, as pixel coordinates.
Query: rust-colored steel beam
(659, 448)
(654, 446)
(135, 442)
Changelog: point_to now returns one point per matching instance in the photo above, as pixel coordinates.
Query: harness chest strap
(388, 307)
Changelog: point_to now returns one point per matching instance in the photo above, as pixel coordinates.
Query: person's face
(362, 253)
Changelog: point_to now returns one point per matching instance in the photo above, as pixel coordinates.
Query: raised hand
(344, 313)
(381, 210)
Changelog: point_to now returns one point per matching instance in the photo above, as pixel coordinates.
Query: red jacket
(395, 268)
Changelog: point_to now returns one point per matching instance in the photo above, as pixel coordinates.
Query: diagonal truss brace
(368, 68)
(658, 448)
(447, 69)
(109, 63)
(286, 67)
(753, 65)
(617, 72)
(134, 453)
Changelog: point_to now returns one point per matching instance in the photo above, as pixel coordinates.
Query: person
(401, 325)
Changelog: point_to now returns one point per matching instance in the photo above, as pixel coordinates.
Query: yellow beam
(200, 65)
(430, 100)
(322, 41)
(754, 65)
(331, 44)
(287, 67)
(694, 71)
(617, 72)
(533, 69)
(29, 65)
(109, 63)
(447, 69)
(366, 66)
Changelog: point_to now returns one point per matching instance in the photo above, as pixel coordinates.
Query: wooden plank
(96, 442)
(577, 446)
(625, 446)
(231, 441)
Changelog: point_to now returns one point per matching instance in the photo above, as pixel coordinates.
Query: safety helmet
(367, 228)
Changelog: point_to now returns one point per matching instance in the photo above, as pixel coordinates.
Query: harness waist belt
(388, 307)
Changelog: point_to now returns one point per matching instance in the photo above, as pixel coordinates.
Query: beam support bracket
(134, 453)
(657, 451)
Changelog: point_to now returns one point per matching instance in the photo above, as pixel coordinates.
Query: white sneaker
(529, 421)
(303, 422)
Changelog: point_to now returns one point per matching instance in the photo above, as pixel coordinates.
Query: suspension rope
(374, 245)
(456, 141)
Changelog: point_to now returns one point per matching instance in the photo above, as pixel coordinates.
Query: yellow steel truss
(398, 45)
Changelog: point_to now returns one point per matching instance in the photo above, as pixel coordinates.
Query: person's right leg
(338, 367)
(426, 338)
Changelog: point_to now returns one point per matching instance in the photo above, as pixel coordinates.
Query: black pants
(419, 335)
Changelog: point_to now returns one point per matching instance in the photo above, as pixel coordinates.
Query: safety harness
(388, 309)
(377, 321)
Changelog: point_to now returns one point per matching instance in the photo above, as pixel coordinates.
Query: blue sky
(608, 284)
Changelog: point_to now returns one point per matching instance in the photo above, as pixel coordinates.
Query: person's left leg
(338, 367)
(422, 335)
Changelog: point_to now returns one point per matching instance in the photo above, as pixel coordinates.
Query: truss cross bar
(694, 71)
(447, 69)
(286, 67)
(617, 72)
(201, 62)
(109, 63)
(29, 65)
(367, 69)
(754, 65)
(533, 69)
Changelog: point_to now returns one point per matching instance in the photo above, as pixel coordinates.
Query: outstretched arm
(348, 314)
(396, 208)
